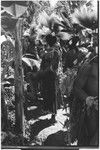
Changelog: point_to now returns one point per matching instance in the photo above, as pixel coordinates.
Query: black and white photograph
(49, 74)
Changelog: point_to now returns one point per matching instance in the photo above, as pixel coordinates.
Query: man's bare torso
(92, 83)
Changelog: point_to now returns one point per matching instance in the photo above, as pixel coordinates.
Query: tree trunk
(4, 113)
(19, 98)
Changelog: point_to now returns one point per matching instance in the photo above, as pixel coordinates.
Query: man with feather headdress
(85, 116)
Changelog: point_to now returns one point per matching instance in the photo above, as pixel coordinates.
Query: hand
(96, 104)
(28, 76)
(89, 101)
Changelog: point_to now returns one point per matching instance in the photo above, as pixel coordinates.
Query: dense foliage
(67, 32)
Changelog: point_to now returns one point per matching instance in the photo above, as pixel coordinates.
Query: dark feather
(87, 17)
(87, 22)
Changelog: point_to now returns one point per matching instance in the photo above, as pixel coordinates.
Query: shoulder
(85, 68)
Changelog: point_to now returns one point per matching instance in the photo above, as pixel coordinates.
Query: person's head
(51, 40)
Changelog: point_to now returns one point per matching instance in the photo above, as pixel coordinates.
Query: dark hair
(51, 40)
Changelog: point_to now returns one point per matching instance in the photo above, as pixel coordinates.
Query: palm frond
(54, 24)
(86, 17)
(43, 19)
(48, 32)
(66, 21)
(41, 34)
(64, 35)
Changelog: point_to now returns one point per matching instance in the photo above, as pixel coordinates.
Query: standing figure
(86, 104)
(47, 78)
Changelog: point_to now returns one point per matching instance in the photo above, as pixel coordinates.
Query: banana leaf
(8, 21)
(9, 3)
(31, 62)
(16, 8)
